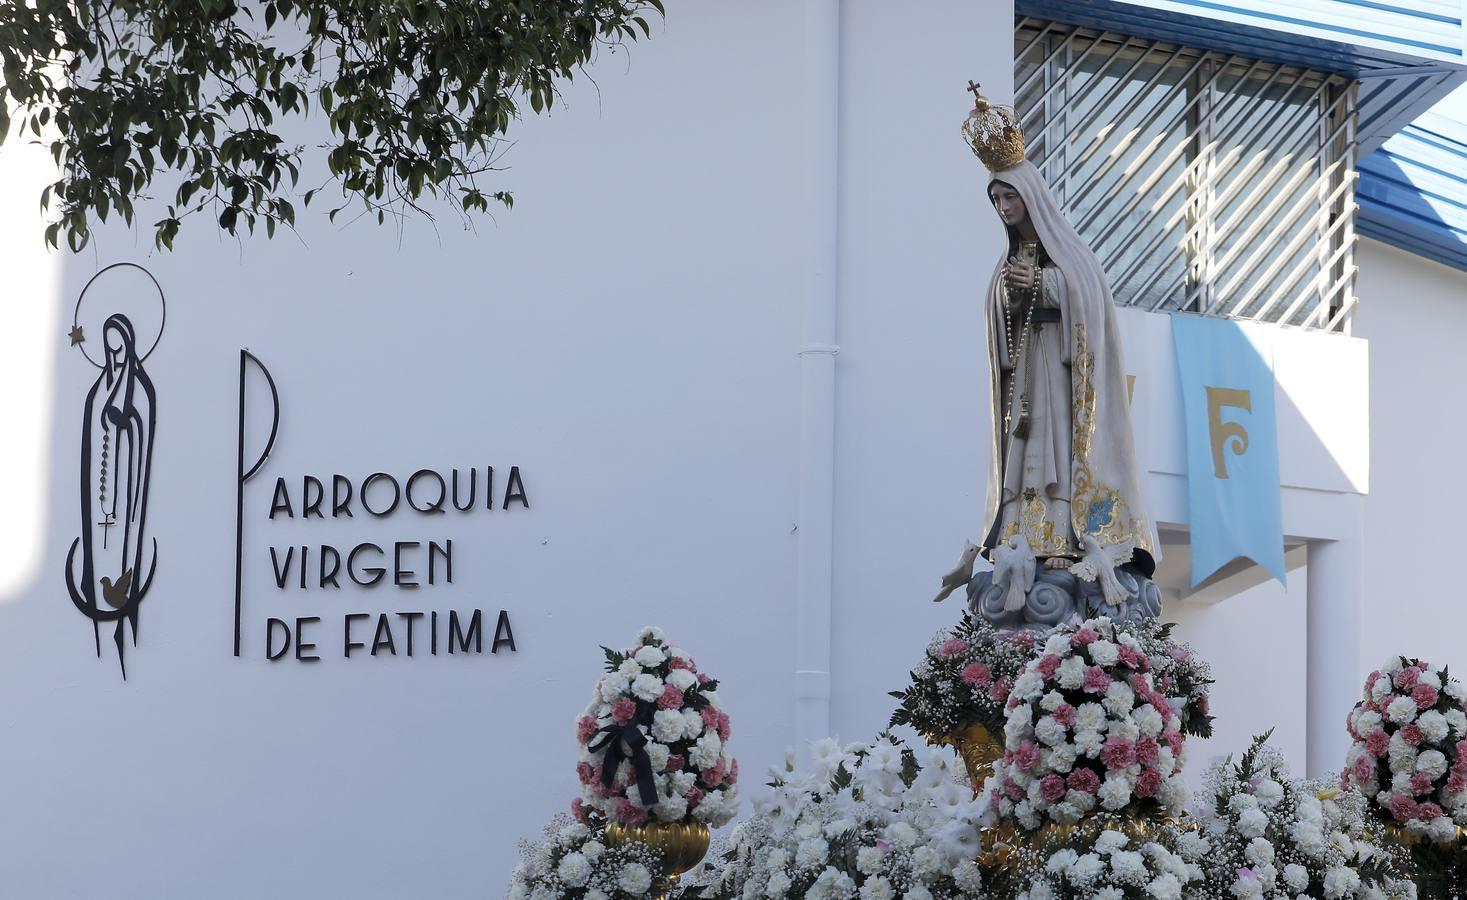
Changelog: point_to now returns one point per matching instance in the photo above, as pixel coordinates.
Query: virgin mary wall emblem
(116, 325)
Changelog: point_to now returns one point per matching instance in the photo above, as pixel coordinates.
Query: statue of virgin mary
(1064, 484)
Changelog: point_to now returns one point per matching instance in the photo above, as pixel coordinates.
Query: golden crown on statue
(994, 133)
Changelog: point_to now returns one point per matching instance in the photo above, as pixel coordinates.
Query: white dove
(1013, 567)
(960, 576)
(1100, 565)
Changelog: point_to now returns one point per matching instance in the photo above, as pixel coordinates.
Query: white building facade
(725, 358)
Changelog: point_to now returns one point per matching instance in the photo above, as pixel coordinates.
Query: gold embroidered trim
(1095, 509)
(1045, 537)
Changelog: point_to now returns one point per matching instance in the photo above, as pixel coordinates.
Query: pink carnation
(953, 648)
(1407, 677)
(1421, 784)
(1065, 715)
(694, 796)
(1084, 780)
(1084, 637)
(675, 762)
(1370, 682)
(1118, 753)
(1096, 680)
(627, 814)
(1012, 789)
(677, 662)
(723, 725)
(578, 809)
(1428, 811)
(1130, 657)
(713, 777)
(1052, 787)
(1425, 696)
(1456, 783)
(1026, 757)
(584, 772)
(1174, 741)
(977, 675)
(585, 728)
(1048, 665)
(998, 692)
(1412, 734)
(702, 678)
(1364, 769)
(671, 698)
(710, 718)
(1403, 808)
(733, 773)
(1148, 782)
(1146, 751)
(1022, 639)
(624, 710)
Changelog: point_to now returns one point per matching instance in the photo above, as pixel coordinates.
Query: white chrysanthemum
(917, 892)
(927, 862)
(634, 879)
(574, 870)
(1401, 710)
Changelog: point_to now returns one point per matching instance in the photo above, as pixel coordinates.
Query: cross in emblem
(105, 524)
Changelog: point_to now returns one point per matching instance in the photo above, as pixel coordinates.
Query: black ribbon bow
(615, 738)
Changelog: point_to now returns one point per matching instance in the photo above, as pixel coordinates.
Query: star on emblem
(76, 335)
(1030, 493)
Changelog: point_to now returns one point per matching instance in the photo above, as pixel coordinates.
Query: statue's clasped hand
(1018, 275)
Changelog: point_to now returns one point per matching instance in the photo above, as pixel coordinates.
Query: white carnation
(1028, 686)
(1049, 731)
(1115, 792)
(1071, 673)
(634, 879)
(667, 726)
(1119, 698)
(1433, 763)
(647, 687)
(1089, 717)
(1104, 653)
(1401, 710)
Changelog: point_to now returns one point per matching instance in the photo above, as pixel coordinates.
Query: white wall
(1413, 313)
(628, 335)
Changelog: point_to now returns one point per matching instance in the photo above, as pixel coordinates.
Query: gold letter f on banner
(1226, 434)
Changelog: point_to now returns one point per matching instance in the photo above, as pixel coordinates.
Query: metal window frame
(1267, 155)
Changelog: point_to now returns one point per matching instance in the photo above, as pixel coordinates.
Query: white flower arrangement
(865, 822)
(1115, 866)
(575, 862)
(1409, 756)
(1267, 835)
(653, 741)
(1083, 735)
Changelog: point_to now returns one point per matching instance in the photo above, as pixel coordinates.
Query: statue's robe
(1076, 471)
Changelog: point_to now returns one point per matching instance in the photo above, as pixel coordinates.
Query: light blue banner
(1232, 444)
